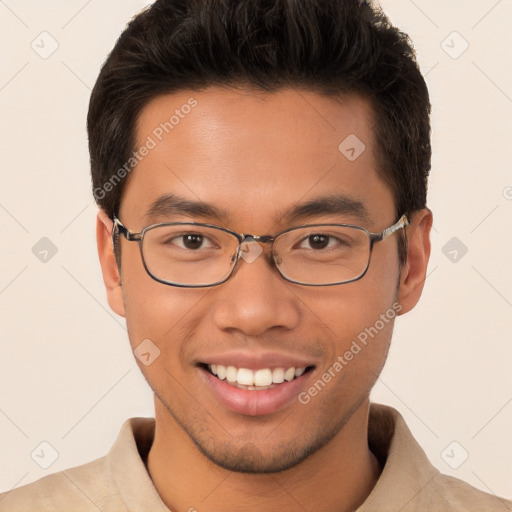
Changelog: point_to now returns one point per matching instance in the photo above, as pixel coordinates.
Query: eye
(191, 241)
(318, 241)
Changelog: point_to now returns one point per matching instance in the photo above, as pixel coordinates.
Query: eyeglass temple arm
(119, 228)
(401, 223)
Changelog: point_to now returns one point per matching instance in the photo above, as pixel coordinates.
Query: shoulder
(81, 489)
(456, 495)
(409, 482)
(118, 481)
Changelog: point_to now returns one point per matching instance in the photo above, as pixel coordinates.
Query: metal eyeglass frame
(119, 228)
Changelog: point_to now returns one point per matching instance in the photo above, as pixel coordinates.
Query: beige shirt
(119, 482)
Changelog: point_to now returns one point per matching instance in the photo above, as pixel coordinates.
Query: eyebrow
(169, 205)
(339, 204)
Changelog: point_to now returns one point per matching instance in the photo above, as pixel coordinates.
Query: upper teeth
(262, 377)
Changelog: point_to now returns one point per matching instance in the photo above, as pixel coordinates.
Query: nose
(256, 299)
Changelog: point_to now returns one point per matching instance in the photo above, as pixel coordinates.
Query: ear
(414, 271)
(111, 276)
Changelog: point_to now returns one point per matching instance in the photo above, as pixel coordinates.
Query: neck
(338, 477)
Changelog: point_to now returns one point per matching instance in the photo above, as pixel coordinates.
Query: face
(252, 160)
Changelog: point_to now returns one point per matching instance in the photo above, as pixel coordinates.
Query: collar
(406, 468)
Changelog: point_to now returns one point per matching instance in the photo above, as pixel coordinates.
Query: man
(261, 174)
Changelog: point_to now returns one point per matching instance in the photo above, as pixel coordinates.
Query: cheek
(359, 324)
(358, 320)
(154, 310)
(346, 310)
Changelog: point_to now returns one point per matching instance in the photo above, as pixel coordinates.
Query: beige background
(67, 375)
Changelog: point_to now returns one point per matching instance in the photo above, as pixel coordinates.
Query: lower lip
(255, 403)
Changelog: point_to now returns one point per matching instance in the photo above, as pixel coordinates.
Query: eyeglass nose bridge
(250, 247)
(262, 239)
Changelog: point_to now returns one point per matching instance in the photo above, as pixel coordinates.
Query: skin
(280, 149)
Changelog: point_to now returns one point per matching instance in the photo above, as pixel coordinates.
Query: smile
(255, 380)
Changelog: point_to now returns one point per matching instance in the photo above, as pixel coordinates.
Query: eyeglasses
(193, 254)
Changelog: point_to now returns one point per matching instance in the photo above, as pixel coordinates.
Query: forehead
(247, 150)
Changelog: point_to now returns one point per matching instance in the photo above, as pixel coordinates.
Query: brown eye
(318, 241)
(192, 241)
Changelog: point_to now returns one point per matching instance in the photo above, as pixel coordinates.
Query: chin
(250, 459)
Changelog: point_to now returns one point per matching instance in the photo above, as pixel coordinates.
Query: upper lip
(255, 361)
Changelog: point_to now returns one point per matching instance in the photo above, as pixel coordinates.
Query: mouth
(255, 383)
(260, 379)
